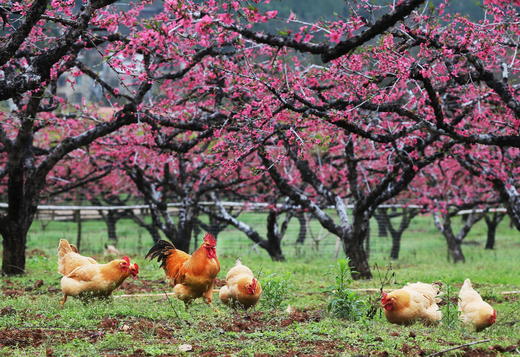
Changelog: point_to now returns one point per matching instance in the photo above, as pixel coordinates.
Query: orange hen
(69, 258)
(97, 280)
(411, 303)
(242, 289)
(192, 276)
(474, 310)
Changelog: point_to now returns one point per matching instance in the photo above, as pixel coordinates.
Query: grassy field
(292, 318)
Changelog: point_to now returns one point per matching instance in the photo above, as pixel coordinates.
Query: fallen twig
(142, 295)
(372, 290)
(510, 292)
(151, 295)
(170, 302)
(457, 347)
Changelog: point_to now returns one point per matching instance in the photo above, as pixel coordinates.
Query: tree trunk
(77, 219)
(492, 224)
(15, 224)
(382, 222)
(14, 241)
(358, 261)
(302, 234)
(353, 245)
(455, 250)
(396, 245)
(455, 241)
(511, 199)
(274, 237)
(275, 252)
(491, 233)
(182, 239)
(367, 243)
(195, 235)
(111, 221)
(406, 217)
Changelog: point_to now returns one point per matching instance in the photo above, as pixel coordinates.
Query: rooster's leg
(208, 295)
(62, 301)
(208, 298)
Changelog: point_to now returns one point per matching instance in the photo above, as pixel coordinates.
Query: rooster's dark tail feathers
(160, 251)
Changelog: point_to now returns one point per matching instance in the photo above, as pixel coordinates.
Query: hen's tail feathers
(224, 294)
(65, 247)
(467, 284)
(430, 291)
(160, 251)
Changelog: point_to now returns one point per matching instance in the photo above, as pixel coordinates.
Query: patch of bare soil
(141, 286)
(36, 253)
(302, 316)
(12, 289)
(8, 310)
(138, 327)
(478, 352)
(318, 348)
(502, 349)
(412, 350)
(249, 323)
(138, 353)
(512, 297)
(109, 323)
(256, 321)
(53, 290)
(35, 286)
(13, 292)
(35, 337)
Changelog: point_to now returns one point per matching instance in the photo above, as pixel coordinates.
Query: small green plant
(344, 302)
(275, 289)
(451, 315)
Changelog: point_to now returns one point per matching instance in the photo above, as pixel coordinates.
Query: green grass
(33, 324)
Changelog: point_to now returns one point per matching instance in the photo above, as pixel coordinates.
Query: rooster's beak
(134, 270)
(384, 298)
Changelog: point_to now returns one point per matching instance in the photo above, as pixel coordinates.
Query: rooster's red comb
(210, 239)
(126, 259)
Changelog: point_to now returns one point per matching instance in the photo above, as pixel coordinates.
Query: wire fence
(86, 224)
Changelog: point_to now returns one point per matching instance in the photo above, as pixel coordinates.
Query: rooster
(413, 302)
(474, 310)
(242, 288)
(192, 276)
(69, 258)
(97, 280)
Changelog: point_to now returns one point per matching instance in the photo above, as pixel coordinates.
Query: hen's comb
(126, 259)
(210, 239)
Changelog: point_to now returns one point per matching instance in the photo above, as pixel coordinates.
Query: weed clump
(275, 290)
(343, 301)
